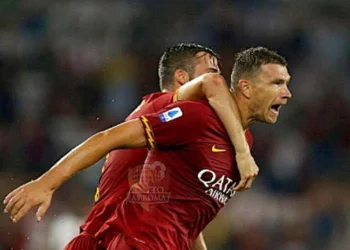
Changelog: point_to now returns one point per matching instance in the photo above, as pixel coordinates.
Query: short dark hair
(180, 56)
(249, 61)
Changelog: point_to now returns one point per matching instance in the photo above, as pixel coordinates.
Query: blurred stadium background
(71, 68)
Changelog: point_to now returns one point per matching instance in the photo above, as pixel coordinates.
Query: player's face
(269, 92)
(205, 63)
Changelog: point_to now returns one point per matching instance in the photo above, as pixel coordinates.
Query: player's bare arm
(199, 243)
(212, 86)
(39, 192)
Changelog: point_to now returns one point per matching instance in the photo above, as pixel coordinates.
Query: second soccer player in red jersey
(185, 182)
(122, 167)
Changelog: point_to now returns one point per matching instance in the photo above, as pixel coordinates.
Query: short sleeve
(178, 124)
(152, 103)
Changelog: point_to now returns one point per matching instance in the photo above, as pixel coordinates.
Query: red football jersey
(187, 178)
(121, 169)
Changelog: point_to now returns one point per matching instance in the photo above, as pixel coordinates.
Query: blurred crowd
(71, 68)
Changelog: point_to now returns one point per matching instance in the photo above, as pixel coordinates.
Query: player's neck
(171, 88)
(243, 108)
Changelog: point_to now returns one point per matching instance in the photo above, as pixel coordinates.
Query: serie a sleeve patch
(170, 115)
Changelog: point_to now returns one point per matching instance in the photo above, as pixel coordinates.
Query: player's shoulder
(159, 96)
(152, 103)
(159, 100)
(193, 105)
(195, 109)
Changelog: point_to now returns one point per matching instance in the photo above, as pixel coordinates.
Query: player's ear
(245, 87)
(181, 76)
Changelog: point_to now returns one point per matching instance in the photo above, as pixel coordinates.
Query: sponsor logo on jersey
(170, 115)
(217, 150)
(219, 188)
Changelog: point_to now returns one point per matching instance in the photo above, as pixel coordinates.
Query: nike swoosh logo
(217, 150)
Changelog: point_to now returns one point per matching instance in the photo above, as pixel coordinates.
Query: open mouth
(276, 107)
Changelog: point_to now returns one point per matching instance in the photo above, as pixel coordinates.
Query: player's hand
(27, 196)
(247, 169)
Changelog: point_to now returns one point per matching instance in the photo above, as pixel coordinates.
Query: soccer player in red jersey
(189, 175)
(122, 164)
(190, 172)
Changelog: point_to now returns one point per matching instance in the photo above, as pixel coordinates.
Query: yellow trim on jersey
(175, 97)
(97, 195)
(103, 167)
(149, 132)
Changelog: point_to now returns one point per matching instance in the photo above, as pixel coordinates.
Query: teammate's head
(260, 78)
(183, 62)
